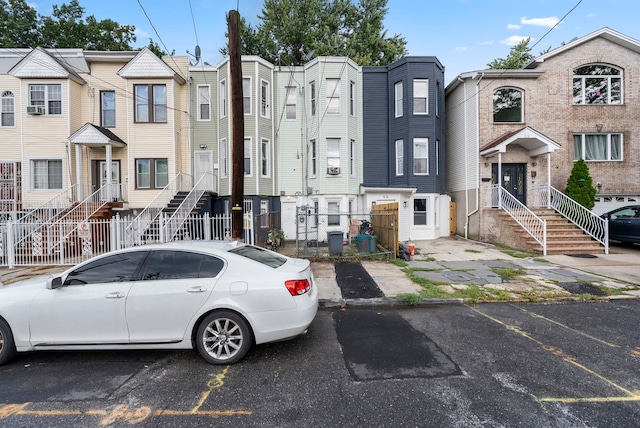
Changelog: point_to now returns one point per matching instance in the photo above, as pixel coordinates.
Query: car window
(114, 268)
(625, 213)
(166, 264)
(260, 255)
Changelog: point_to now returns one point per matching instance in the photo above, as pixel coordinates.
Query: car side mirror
(54, 283)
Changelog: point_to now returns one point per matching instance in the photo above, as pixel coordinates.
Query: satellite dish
(197, 53)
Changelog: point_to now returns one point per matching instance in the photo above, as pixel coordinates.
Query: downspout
(466, 155)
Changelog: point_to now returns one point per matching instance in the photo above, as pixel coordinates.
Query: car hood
(32, 284)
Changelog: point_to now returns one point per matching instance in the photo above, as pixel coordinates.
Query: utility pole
(237, 136)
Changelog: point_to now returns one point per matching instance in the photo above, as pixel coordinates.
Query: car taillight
(297, 286)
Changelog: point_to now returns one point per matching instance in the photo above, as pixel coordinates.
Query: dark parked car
(624, 223)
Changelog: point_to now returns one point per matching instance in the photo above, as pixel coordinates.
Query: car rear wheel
(223, 337)
(7, 345)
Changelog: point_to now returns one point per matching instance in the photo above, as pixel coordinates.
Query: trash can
(335, 242)
(363, 242)
(372, 244)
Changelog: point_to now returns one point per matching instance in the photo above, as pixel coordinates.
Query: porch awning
(531, 140)
(96, 136)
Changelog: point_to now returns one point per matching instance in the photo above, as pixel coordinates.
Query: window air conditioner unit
(333, 170)
(35, 110)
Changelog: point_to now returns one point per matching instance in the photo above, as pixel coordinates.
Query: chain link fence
(344, 235)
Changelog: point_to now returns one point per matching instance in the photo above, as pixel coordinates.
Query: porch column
(79, 180)
(500, 180)
(548, 179)
(108, 180)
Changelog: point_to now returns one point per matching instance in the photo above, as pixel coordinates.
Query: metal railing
(173, 224)
(135, 231)
(530, 222)
(593, 225)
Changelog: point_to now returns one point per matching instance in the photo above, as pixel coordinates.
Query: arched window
(507, 106)
(7, 114)
(597, 84)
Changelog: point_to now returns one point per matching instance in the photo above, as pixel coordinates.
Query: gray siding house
(403, 144)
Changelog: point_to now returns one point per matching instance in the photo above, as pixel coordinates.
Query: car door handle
(198, 289)
(115, 295)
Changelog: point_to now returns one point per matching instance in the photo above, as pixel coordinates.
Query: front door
(114, 192)
(202, 163)
(513, 179)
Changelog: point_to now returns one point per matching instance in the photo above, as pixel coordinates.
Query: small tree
(580, 186)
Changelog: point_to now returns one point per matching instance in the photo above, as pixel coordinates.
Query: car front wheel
(223, 337)
(7, 345)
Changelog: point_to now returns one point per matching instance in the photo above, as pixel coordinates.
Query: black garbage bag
(404, 252)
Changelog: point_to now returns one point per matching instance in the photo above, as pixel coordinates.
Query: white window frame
(418, 142)
(333, 96)
(265, 98)
(313, 158)
(103, 121)
(333, 212)
(426, 212)
(437, 99)
(582, 151)
(247, 100)
(204, 99)
(352, 98)
(247, 157)
(334, 147)
(8, 109)
(493, 104)
(399, 150)
(265, 158)
(48, 97)
(223, 99)
(582, 80)
(418, 86)
(312, 97)
(32, 165)
(352, 158)
(398, 99)
(437, 157)
(291, 103)
(224, 158)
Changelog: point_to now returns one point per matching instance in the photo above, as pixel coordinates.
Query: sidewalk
(455, 264)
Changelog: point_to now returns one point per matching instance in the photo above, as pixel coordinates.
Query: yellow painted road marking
(590, 399)
(631, 396)
(535, 315)
(215, 383)
(213, 413)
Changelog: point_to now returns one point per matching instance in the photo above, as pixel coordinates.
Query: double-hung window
(333, 209)
(47, 174)
(352, 158)
(398, 99)
(290, 102)
(222, 97)
(224, 158)
(421, 156)
(265, 157)
(246, 95)
(333, 96)
(247, 156)
(312, 97)
(313, 158)
(152, 173)
(204, 102)
(7, 114)
(352, 98)
(597, 147)
(399, 148)
(420, 96)
(507, 106)
(47, 96)
(597, 84)
(420, 206)
(265, 99)
(150, 103)
(333, 156)
(108, 109)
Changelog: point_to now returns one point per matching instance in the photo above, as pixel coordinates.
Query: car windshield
(260, 255)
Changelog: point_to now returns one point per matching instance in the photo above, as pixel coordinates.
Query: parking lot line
(631, 396)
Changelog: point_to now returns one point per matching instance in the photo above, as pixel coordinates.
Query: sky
(464, 35)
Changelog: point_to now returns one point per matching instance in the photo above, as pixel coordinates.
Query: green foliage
(291, 30)
(22, 27)
(519, 56)
(408, 298)
(580, 185)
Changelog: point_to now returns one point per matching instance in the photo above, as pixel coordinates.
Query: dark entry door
(513, 179)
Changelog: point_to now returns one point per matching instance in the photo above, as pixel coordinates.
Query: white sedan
(219, 297)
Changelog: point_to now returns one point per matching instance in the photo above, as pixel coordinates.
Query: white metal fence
(28, 244)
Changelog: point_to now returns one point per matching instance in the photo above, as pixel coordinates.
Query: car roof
(200, 245)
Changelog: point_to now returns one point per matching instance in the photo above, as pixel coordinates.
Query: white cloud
(591, 15)
(486, 43)
(514, 27)
(512, 40)
(461, 48)
(141, 33)
(540, 22)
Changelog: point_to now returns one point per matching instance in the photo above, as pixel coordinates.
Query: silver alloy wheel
(223, 338)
